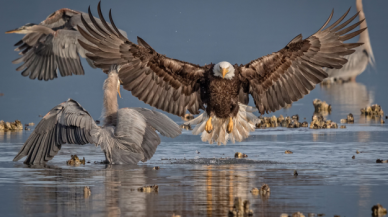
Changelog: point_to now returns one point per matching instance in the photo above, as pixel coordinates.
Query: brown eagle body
(220, 95)
(222, 90)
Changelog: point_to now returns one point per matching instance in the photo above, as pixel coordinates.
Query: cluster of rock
(11, 126)
(348, 120)
(240, 208)
(75, 161)
(319, 122)
(375, 112)
(263, 191)
(321, 106)
(289, 122)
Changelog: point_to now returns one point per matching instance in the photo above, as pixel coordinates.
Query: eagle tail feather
(244, 123)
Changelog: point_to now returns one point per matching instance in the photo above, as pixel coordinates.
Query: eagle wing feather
(162, 82)
(286, 76)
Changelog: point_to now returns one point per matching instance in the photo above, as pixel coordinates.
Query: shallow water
(205, 184)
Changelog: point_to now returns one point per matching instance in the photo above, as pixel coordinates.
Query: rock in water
(148, 189)
(75, 161)
(255, 191)
(240, 208)
(188, 117)
(298, 214)
(374, 110)
(321, 106)
(378, 210)
(185, 126)
(240, 155)
(2, 125)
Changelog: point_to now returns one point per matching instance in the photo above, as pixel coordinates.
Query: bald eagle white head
(224, 70)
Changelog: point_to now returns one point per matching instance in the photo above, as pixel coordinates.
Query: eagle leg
(230, 125)
(209, 126)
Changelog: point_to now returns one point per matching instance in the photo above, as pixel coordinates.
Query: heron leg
(230, 125)
(209, 126)
(106, 158)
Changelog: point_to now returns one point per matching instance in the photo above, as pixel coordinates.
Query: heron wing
(135, 134)
(286, 76)
(42, 57)
(68, 123)
(167, 84)
(57, 19)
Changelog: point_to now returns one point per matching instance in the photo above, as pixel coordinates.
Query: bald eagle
(221, 89)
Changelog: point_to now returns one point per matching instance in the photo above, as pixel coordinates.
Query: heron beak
(118, 90)
(224, 71)
(121, 82)
(13, 31)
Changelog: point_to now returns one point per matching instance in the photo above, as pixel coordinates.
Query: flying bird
(127, 136)
(51, 47)
(221, 89)
(360, 59)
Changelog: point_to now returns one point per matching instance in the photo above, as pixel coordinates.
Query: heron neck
(41, 29)
(364, 36)
(110, 100)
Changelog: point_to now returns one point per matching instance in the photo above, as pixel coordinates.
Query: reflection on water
(327, 177)
(350, 96)
(199, 191)
(8, 136)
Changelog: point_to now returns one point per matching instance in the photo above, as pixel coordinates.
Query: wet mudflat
(329, 181)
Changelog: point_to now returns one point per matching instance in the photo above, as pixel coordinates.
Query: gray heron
(127, 136)
(359, 60)
(51, 47)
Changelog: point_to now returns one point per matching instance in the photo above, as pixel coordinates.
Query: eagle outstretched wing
(168, 84)
(286, 76)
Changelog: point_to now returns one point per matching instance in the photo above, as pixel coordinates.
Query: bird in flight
(221, 90)
(51, 47)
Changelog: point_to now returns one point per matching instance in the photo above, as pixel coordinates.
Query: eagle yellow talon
(230, 125)
(209, 126)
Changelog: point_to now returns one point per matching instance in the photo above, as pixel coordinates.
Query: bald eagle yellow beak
(224, 71)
